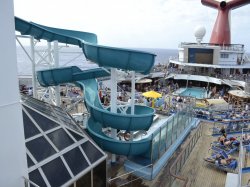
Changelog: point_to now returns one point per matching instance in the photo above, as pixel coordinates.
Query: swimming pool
(198, 93)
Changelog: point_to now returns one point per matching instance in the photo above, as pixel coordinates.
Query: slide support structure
(113, 104)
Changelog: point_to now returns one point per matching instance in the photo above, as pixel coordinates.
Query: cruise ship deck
(195, 168)
(197, 171)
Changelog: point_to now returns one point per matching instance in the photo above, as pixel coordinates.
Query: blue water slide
(140, 120)
(101, 117)
(117, 146)
(104, 56)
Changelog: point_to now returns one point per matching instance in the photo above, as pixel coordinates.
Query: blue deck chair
(223, 152)
(231, 167)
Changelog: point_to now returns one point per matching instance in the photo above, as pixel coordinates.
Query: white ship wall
(181, 54)
(231, 60)
(13, 163)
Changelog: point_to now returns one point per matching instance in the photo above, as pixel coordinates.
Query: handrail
(179, 177)
(179, 157)
(27, 182)
(74, 104)
(128, 173)
(241, 164)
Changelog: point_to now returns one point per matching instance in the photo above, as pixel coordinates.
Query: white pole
(13, 162)
(133, 93)
(56, 59)
(187, 81)
(32, 54)
(50, 66)
(113, 105)
(208, 86)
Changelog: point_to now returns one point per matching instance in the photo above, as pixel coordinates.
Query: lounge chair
(230, 167)
(223, 152)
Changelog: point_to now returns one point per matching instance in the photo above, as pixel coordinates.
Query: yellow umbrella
(152, 94)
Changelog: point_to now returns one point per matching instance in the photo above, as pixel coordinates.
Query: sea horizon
(24, 65)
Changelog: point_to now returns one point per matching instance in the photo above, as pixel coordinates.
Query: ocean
(73, 56)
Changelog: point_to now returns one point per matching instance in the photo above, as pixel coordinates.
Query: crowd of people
(167, 101)
(222, 149)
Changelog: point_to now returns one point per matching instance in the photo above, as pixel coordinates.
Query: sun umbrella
(152, 94)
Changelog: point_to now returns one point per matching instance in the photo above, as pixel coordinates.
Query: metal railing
(242, 156)
(179, 162)
(123, 178)
(240, 77)
(228, 47)
(28, 183)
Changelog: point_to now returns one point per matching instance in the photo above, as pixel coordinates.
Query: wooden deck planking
(196, 169)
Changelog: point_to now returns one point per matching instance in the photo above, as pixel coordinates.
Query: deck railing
(243, 153)
(239, 77)
(227, 47)
(28, 183)
(179, 162)
(127, 179)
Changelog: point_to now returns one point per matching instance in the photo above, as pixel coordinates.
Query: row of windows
(224, 55)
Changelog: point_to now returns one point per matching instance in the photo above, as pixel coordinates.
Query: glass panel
(63, 116)
(163, 139)
(29, 161)
(178, 125)
(84, 181)
(182, 122)
(99, 175)
(43, 122)
(56, 172)
(169, 134)
(76, 160)
(174, 129)
(40, 148)
(155, 150)
(36, 177)
(75, 135)
(60, 138)
(91, 151)
(41, 107)
(29, 128)
(67, 120)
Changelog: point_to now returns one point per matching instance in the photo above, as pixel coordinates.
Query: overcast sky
(134, 23)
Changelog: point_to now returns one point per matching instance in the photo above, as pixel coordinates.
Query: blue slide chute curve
(126, 59)
(104, 56)
(101, 117)
(140, 120)
(117, 146)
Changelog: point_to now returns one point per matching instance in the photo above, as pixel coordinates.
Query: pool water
(198, 93)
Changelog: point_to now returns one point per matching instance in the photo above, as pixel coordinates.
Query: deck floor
(197, 170)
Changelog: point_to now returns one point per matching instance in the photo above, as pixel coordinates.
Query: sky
(135, 23)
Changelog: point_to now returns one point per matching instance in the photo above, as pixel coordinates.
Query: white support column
(113, 105)
(33, 61)
(187, 81)
(207, 90)
(50, 66)
(133, 93)
(13, 162)
(113, 90)
(56, 62)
